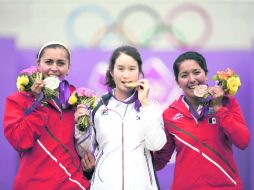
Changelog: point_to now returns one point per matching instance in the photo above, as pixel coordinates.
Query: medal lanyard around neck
(134, 98)
(64, 93)
(203, 114)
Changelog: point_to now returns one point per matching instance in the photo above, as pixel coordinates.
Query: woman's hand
(37, 86)
(81, 110)
(143, 91)
(217, 94)
(88, 162)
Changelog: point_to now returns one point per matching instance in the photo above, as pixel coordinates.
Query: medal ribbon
(134, 98)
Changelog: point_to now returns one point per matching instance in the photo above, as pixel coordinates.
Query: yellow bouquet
(27, 77)
(229, 81)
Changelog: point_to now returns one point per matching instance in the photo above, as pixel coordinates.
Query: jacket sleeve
(21, 131)
(232, 121)
(152, 124)
(162, 157)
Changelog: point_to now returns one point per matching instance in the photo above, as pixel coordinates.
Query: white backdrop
(213, 24)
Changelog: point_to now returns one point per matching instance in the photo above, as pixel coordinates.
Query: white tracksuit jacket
(125, 138)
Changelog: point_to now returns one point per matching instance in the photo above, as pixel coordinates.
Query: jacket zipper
(148, 168)
(123, 146)
(58, 108)
(122, 157)
(122, 118)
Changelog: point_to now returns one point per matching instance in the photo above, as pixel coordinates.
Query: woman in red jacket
(43, 133)
(202, 135)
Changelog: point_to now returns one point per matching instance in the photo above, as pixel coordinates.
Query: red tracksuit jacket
(44, 140)
(204, 155)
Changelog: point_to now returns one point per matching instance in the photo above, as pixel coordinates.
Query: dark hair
(189, 55)
(128, 50)
(54, 46)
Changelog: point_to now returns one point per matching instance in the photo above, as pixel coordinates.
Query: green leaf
(215, 77)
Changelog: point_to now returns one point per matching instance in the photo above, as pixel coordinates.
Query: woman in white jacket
(127, 127)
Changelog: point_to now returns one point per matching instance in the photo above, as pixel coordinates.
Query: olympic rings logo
(145, 32)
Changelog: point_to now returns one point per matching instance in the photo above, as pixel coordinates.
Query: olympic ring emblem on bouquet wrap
(148, 32)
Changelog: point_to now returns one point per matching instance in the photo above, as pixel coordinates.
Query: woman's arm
(21, 130)
(152, 124)
(162, 157)
(232, 121)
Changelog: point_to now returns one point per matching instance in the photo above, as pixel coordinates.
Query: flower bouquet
(28, 76)
(228, 80)
(86, 97)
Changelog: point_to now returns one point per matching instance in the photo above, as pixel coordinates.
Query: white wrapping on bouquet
(85, 141)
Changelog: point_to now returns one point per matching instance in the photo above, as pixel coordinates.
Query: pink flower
(29, 71)
(85, 92)
(86, 97)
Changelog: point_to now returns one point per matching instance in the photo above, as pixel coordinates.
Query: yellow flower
(20, 87)
(73, 99)
(233, 84)
(94, 102)
(23, 80)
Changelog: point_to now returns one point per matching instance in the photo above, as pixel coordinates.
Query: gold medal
(131, 84)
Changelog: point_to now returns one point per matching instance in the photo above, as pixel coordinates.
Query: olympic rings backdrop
(125, 27)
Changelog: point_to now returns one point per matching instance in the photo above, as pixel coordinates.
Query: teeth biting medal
(200, 90)
(131, 84)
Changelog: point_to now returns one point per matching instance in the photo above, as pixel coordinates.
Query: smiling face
(125, 70)
(190, 75)
(54, 62)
